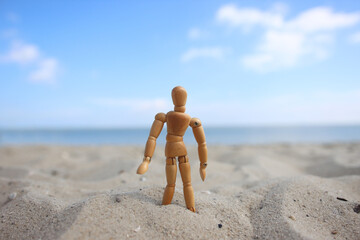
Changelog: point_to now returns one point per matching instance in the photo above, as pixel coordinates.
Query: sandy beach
(278, 191)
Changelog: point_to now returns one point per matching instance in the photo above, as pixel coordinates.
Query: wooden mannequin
(177, 123)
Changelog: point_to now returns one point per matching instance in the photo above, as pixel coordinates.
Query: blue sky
(114, 63)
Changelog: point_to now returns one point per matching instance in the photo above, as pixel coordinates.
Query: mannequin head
(179, 96)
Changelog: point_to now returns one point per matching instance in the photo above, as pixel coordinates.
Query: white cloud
(21, 53)
(326, 107)
(322, 19)
(284, 49)
(196, 34)
(12, 17)
(278, 48)
(46, 72)
(248, 17)
(207, 52)
(286, 42)
(355, 38)
(42, 69)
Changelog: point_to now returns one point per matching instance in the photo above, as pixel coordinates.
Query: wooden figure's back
(177, 123)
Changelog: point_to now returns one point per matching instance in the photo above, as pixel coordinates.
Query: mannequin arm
(202, 149)
(155, 131)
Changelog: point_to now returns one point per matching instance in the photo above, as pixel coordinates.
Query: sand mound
(300, 208)
(241, 199)
(308, 208)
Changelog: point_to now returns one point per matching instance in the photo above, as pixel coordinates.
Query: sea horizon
(226, 135)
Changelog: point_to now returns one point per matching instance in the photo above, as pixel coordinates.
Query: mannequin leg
(171, 179)
(184, 166)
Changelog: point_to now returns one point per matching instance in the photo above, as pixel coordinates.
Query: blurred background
(97, 72)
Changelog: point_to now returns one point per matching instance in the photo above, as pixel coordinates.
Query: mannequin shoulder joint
(161, 117)
(195, 122)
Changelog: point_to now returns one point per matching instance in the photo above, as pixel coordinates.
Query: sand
(279, 191)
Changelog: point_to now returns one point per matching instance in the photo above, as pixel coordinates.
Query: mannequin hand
(202, 170)
(143, 166)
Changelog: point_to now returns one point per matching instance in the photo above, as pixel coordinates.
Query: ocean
(214, 135)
